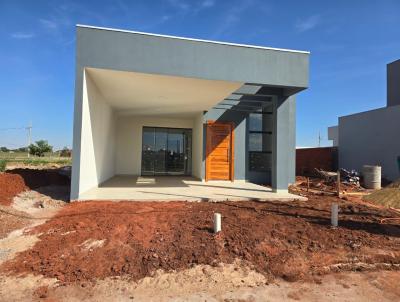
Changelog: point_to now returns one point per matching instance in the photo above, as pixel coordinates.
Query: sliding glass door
(166, 151)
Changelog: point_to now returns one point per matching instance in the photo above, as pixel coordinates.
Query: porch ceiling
(133, 93)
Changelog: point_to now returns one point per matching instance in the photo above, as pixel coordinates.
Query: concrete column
(77, 127)
(283, 143)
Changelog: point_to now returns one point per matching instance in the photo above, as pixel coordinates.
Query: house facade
(154, 105)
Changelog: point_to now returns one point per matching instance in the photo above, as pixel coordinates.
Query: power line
(27, 128)
(16, 128)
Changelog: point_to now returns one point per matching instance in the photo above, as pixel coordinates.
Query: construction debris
(327, 176)
(350, 177)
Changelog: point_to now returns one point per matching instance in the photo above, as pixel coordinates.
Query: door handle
(228, 155)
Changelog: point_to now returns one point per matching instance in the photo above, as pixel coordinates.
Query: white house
(172, 108)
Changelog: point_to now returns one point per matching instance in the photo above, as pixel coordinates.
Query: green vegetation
(44, 161)
(40, 154)
(3, 164)
(37, 161)
(65, 152)
(39, 148)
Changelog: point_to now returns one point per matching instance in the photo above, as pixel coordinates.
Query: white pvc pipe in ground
(217, 223)
(334, 215)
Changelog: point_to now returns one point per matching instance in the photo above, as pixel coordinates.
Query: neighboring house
(373, 137)
(152, 105)
(333, 135)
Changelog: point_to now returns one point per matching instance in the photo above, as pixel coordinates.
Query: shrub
(3, 164)
(40, 148)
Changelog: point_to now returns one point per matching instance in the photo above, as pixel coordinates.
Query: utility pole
(319, 138)
(29, 129)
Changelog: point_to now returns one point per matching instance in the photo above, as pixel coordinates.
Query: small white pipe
(217, 223)
(334, 215)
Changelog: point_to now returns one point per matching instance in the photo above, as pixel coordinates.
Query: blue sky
(350, 42)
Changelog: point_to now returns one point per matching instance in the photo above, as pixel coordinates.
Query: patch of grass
(389, 197)
(3, 164)
(38, 161)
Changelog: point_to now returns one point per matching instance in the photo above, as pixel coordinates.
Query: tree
(4, 149)
(22, 149)
(65, 152)
(40, 148)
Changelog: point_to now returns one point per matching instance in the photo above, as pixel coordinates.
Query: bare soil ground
(95, 240)
(166, 251)
(10, 220)
(36, 178)
(226, 282)
(10, 186)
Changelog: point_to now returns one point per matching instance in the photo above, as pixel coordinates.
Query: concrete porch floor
(163, 188)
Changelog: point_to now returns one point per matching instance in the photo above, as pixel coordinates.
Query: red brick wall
(308, 159)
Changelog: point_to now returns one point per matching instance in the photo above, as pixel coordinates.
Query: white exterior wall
(129, 140)
(97, 138)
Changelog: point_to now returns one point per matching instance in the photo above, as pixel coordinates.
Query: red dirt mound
(10, 186)
(35, 178)
(90, 240)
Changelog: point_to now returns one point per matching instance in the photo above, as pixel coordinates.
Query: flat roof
(191, 39)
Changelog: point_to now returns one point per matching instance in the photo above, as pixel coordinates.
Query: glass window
(260, 122)
(260, 141)
(260, 161)
(166, 151)
(255, 122)
(148, 150)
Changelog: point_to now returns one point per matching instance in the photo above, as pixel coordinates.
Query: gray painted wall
(393, 83)
(161, 55)
(333, 135)
(284, 142)
(370, 138)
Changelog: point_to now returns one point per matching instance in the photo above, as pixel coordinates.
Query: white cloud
(208, 3)
(48, 23)
(180, 4)
(231, 17)
(20, 35)
(308, 23)
(185, 6)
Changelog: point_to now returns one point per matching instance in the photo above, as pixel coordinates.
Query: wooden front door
(219, 151)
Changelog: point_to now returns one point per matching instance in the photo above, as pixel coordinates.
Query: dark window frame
(250, 153)
(258, 168)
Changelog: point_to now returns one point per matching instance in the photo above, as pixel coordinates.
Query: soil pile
(293, 240)
(10, 186)
(389, 197)
(35, 178)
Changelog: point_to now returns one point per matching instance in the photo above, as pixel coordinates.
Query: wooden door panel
(219, 159)
(219, 148)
